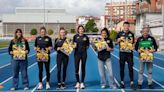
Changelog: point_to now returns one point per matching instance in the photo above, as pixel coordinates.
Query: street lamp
(126, 9)
(44, 11)
(163, 17)
(48, 11)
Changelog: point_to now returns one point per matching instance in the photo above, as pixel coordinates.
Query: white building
(154, 20)
(29, 18)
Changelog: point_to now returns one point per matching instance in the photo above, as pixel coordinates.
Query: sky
(75, 7)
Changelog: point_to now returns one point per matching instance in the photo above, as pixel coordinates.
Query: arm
(27, 46)
(35, 44)
(50, 44)
(10, 48)
(137, 45)
(155, 44)
(55, 45)
(110, 45)
(118, 38)
(88, 42)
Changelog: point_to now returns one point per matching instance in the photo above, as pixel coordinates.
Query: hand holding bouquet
(67, 47)
(42, 55)
(19, 53)
(101, 44)
(146, 54)
(126, 44)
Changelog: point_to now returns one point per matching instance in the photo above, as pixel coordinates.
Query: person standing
(43, 45)
(104, 60)
(125, 39)
(82, 44)
(62, 58)
(145, 46)
(19, 49)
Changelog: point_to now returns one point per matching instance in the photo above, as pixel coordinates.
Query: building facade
(120, 11)
(29, 18)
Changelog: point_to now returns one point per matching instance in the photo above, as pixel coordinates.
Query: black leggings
(61, 60)
(126, 57)
(83, 59)
(47, 66)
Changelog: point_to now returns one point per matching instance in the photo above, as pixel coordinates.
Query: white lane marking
(10, 63)
(144, 73)
(153, 64)
(53, 68)
(114, 77)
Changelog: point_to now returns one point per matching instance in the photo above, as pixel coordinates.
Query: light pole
(163, 18)
(58, 24)
(44, 11)
(111, 14)
(48, 11)
(126, 8)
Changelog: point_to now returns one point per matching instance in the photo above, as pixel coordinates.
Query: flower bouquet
(126, 44)
(100, 44)
(67, 47)
(19, 52)
(146, 55)
(42, 55)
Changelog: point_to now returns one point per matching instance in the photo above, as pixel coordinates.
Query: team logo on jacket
(149, 39)
(130, 34)
(46, 39)
(108, 41)
(84, 38)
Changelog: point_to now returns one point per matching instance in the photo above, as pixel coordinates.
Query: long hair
(16, 37)
(61, 28)
(107, 32)
(79, 28)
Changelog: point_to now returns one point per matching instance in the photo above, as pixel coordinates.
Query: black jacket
(147, 39)
(104, 54)
(19, 42)
(128, 35)
(82, 43)
(58, 43)
(43, 42)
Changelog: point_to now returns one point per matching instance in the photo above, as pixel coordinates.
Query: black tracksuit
(43, 43)
(82, 43)
(61, 59)
(126, 56)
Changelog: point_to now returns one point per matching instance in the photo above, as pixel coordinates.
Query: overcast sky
(75, 7)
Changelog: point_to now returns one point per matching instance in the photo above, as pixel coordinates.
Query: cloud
(75, 7)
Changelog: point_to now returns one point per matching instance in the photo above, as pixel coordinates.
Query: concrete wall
(9, 28)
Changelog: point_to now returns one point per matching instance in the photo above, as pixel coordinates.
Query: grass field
(4, 44)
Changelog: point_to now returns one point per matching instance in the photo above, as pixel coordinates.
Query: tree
(91, 26)
(113, 35)
(33, 31)
(73, 31)
(50, 32)
(95, 29)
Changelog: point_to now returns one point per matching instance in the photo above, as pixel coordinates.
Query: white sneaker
(12, 89)
(77, 85)
(82, 86)
(114, 87)
(40, 86)
(47, 86)
(26, 88)
(103, 86)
